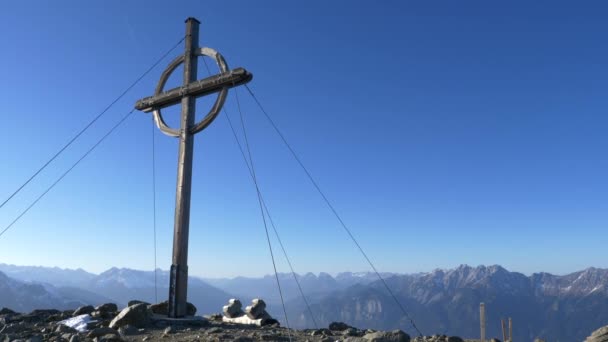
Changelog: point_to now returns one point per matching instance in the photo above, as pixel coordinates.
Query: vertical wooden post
(482, 321)
(178, 286)
(504, 331)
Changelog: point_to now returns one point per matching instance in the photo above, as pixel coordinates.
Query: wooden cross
(186, 95)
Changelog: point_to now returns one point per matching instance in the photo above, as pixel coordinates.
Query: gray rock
(243, 339)
(233, 309)
(108, 338)
(107, 307)
(387, 336)
(62, 329)
(338, 326)
(87, 309)
(137, 315)
(355, 339)
(162, 308)
(133, 302)
(128, 330)
(35, 338)
(75, 338)
(97, 332)
(600, 335)
(214, 330)
(257, 309)
(169, 330)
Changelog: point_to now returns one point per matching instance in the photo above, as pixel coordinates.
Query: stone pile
(255, 314)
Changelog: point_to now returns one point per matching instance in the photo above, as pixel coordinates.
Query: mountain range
(552, 307)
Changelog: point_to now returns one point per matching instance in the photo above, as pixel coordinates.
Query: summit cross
(191, 89)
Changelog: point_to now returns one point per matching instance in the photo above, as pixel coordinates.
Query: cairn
(233, 309)
(255, 314)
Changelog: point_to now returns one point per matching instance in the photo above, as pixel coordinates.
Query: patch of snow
(79, 323)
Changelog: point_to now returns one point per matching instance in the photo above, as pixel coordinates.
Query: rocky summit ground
(140, 322)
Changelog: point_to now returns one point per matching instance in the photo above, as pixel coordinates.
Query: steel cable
(331, 207)
(71, 141)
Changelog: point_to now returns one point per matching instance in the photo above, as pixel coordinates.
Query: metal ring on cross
(215, 109)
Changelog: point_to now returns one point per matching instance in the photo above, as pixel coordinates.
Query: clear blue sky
(444, 132)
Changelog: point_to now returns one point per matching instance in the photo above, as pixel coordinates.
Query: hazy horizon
(316, 273)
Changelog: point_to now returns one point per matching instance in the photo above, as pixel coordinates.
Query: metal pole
(510, 330)
(482, 321)
(178, 286)
(504, 331)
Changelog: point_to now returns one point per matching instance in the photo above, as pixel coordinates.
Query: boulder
(257, 309)
(338, 326)
(387, 336)
(137, 315)
(600, 335)
(127, 330)
(98, 332)
(454, 339)
(133, 302)
(163, 308)
(107, 307)
(233, 309)
(83, 310)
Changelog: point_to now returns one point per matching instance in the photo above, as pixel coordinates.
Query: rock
(454, 339)
(600, 335)
(97, 332)
(163, 308)
(7, 311)
(538, 340)
(338, 326)
(75, 338)
(64, 329)
(137, 315)
(128, 330)
(233, 309)
(107, 307)
(387, 336)
(35, 338)
(168, 330)
(108, 338)
(257, 309)
(135, 301)
(355, 339)
(243, 339)
(214, 330)
(351, 332)
(83, 310)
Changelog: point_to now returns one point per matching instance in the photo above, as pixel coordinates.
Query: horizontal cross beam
(212, 84)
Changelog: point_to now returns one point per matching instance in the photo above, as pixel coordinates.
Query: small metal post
(178, 286)
(482, 321)
(510, 330)
(504, 330)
